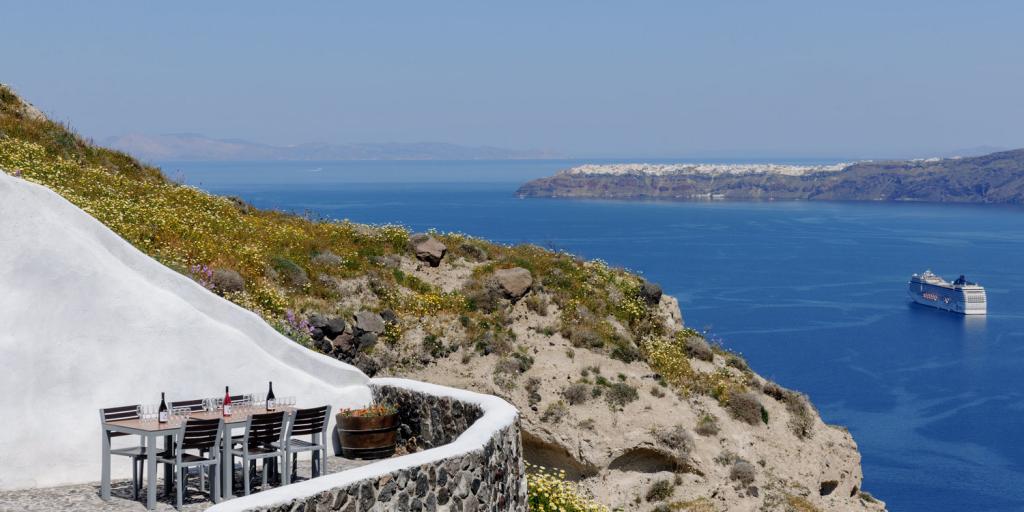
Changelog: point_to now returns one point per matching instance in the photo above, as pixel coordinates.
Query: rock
(389, 316)
(334, 327)
(344, 343)
(368, 321)
(327, 259)
(366, 364)
(513, 282)
(317, 320)
(472, 252)
(651, 293)
(225, 280)
(367, 340)
(428, 249)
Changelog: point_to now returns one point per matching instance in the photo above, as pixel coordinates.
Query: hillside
(190, 146)
(614, 389)
(992, 178)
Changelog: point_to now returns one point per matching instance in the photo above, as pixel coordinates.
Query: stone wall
(471, 461)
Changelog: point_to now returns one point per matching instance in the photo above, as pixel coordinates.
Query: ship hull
(947, 299)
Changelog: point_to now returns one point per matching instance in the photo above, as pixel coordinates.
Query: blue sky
(589, 78)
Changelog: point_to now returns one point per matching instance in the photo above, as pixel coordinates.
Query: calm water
(813, 294)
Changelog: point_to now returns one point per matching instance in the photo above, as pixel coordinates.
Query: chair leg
(202, 478)
(295, 464)
(263, 483)
(245, 476)
(215, 483)
(135, 479)
(181, 472)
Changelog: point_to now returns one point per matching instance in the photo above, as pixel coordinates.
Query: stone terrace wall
(472, 461)
(428, 420)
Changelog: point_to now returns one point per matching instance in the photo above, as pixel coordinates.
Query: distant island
(993, 178)
(195, 147)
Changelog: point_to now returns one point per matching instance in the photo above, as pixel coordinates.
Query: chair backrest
(193, 405)
(200, 434)
(310, 421)
(124, 412)
(264, 429)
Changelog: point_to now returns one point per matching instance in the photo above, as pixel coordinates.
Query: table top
(236, 419)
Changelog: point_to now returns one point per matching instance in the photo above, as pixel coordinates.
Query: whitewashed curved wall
(88, 321)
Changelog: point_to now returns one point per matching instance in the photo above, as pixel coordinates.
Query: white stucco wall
(498, 414)
(87, 321)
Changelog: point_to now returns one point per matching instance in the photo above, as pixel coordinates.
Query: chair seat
(133, 451)
(299, 445)
(257, 450)
(186, 458)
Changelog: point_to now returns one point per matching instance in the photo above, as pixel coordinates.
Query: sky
(585, 79)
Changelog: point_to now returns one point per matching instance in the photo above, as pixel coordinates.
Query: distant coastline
(185, 147)
(992, 178)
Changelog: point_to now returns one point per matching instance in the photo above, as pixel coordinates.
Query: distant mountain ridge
(192, 146)
(993, 178)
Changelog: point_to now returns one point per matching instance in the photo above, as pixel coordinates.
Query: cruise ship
(960, 296)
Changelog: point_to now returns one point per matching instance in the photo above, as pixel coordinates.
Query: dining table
(150, 430)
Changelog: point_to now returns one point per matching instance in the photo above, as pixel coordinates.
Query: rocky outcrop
(513, 282)
(994, 178)
(428, 249)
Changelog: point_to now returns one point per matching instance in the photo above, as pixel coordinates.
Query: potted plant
(368, 432)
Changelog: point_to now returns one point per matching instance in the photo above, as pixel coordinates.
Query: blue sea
(812, 293)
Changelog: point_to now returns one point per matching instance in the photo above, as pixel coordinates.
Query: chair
(195, 405)
(262, 432)
(136, 453)
(201, 435)
(312, 422)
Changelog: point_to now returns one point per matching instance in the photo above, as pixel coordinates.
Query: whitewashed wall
(88, 321)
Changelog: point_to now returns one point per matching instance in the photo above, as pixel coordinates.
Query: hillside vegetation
(586, 351)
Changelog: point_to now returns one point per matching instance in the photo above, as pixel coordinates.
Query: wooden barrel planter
(365, 437)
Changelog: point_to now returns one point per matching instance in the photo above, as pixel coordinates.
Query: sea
(813, 294)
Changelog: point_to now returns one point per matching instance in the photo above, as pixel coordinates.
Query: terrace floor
(86, 497)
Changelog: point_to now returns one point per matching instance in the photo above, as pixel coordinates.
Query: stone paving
(86, 497)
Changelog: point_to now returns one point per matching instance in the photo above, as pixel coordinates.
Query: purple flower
(17, 173)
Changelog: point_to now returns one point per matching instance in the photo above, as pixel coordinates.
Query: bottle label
(227, 409)
(163, 417)
(270, 404)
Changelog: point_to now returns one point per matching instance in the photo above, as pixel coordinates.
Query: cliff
(613, 387)
(993, 178)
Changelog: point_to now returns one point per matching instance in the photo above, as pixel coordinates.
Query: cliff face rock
(994, 178)
(614, 428)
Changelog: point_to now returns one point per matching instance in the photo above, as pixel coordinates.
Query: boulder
(651, 293)
(317, 320)
(472, 252)
(225, 280)
(334, 327)
(368, 321)
(366, 340)
(389, 316)
(428, 249)
(513, 282)
(344, 343)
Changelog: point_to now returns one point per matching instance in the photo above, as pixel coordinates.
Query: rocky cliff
(993, 178)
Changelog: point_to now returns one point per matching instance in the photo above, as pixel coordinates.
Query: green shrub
(707, 425)
(619, 394)
(745, 407)
(554, 412)
(697, 348)
(743, 472)
(576, 393)
(660, 490)
(532, 388)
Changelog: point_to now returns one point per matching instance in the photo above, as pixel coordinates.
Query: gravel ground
(86, 497)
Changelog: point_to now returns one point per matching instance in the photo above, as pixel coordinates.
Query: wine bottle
(271, 403)
(162, 414)
(227, 402)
